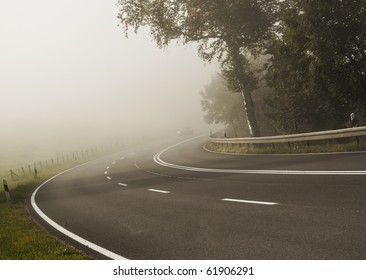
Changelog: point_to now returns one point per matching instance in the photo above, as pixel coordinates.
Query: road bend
(179, 201)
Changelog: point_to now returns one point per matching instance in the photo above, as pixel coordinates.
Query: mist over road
(174, 200)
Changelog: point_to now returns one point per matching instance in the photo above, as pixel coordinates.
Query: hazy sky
(67, 64)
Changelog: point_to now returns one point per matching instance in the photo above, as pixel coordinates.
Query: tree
(225, 29)
(319, 63)
(221, 105)
(289, 107)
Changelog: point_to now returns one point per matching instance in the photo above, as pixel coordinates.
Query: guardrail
(301, 137)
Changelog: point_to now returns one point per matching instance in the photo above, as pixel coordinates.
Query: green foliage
(22, 239)
(220, 28)
(213, 24)
(221, 105)
(318, 68)
(249, 76)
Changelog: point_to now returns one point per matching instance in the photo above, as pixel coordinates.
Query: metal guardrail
(302, 137)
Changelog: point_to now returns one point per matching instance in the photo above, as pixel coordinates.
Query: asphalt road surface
(177, 201)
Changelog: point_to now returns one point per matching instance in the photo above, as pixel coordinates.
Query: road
(178, 201)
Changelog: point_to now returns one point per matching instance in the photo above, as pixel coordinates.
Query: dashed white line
(107, 167)
(109, 178)
(106, 172)
(158, 191)
(122, 184)
(250, 201)
(113, 162)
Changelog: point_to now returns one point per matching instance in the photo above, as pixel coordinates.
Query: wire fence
(32, 169)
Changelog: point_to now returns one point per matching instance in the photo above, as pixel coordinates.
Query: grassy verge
(345, 145)
(21, 238)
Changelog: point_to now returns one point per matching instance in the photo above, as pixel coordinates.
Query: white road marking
(64, 231)
(158, 160)
(107, 167)
(158, 191)
(113, 162)
(250, 201)
(109, 178)
(106, 172)
(122, 184)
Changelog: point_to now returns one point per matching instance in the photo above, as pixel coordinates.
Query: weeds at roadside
(345, 145)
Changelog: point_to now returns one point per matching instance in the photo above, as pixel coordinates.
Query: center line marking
(250, 201)
(159, 191)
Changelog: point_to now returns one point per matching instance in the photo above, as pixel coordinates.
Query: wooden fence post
(6, 189)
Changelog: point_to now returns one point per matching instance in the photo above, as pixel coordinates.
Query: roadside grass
(340, 145)
(21, 238)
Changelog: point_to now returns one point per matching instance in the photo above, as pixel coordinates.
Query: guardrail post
(6, 189)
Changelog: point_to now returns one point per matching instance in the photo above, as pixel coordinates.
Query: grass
(341, 145)
(21, 238)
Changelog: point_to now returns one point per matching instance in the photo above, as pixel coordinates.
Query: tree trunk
(246, 93)
(234, 129)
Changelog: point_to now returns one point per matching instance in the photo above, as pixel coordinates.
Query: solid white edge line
(250, 201)
(64, 231)
(159, 161)
(159, 191)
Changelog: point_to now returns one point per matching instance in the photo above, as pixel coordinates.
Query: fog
(69, 77)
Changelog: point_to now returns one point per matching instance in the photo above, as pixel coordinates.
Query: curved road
(178, 201)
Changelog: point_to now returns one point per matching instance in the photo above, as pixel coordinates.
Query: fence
(21, 171)
(355, 132)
